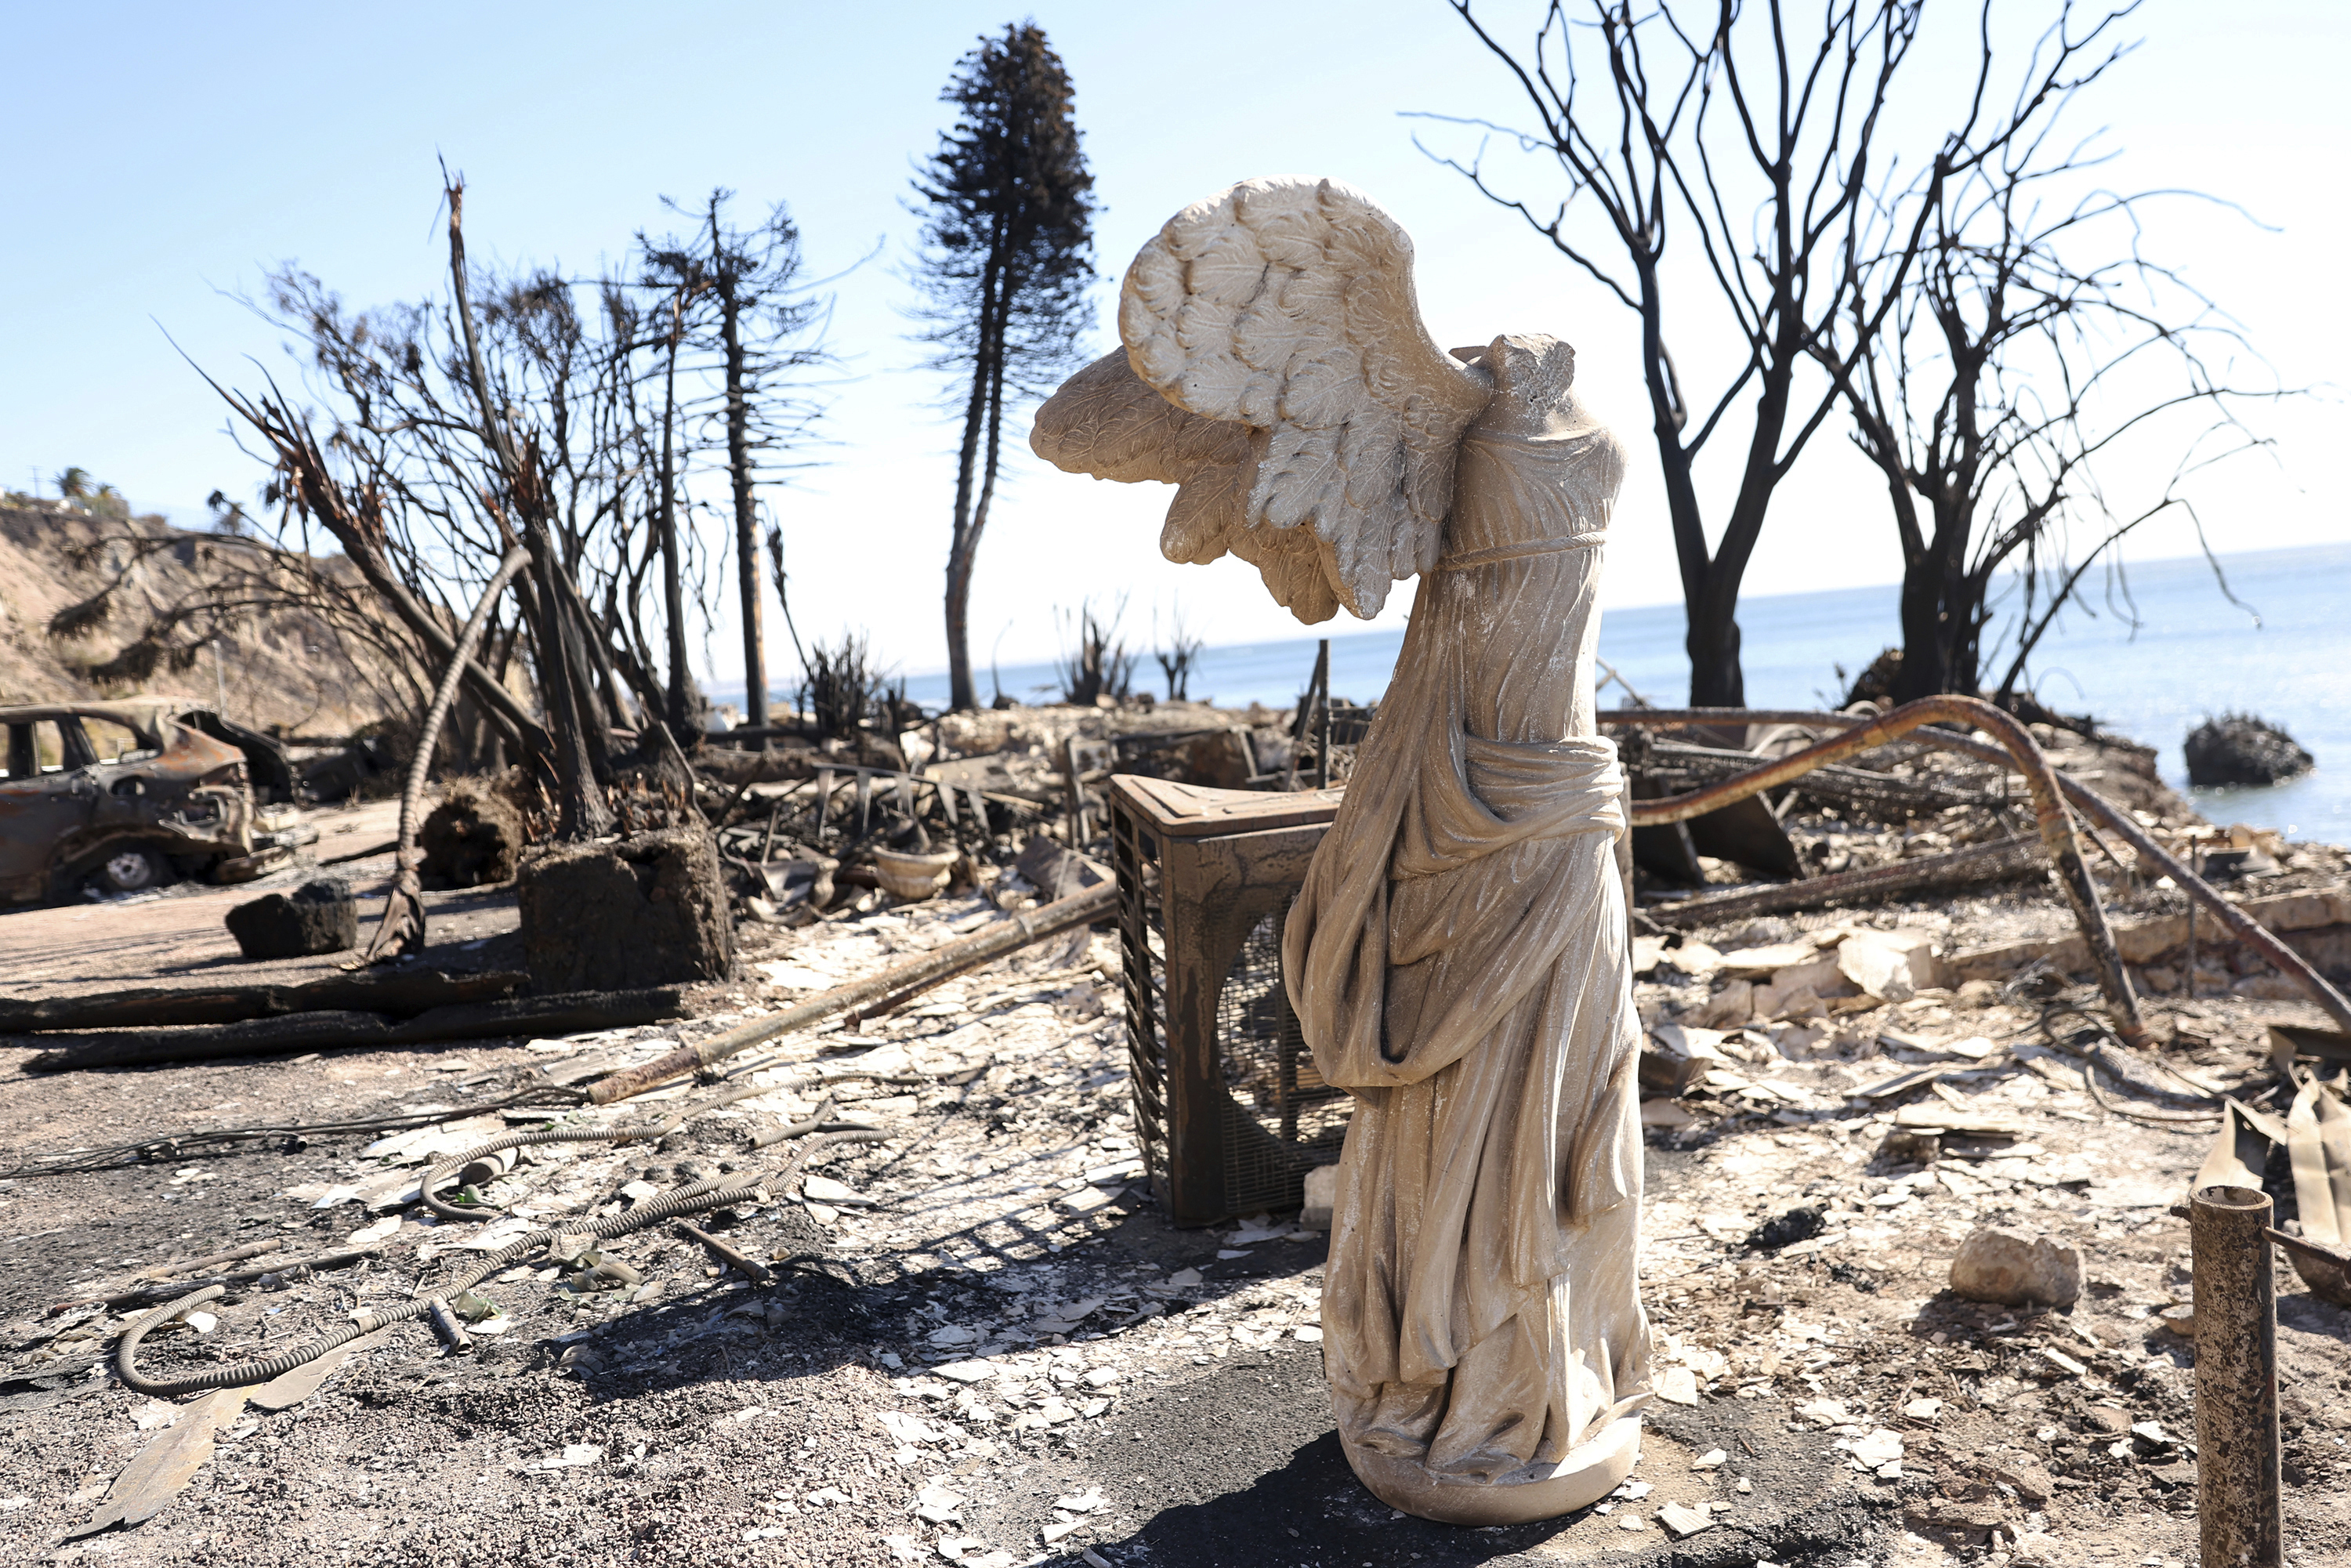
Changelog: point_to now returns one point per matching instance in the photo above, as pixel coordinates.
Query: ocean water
(2192, 653)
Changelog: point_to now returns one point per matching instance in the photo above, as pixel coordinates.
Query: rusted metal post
(1323, 698)
(1077, 791)
(2197, 861)
(2238, 1504)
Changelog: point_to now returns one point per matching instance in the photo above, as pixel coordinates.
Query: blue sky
(163, 157)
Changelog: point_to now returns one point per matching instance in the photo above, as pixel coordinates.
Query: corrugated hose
(684, 1200)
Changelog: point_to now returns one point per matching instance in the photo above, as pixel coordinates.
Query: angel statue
(1457, 957)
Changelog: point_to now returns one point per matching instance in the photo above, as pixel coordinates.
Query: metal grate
(1227, 1106)
(1286, 1119)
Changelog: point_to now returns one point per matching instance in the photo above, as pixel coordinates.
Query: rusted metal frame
(2238, 1459)
(2091, 804)
(1145, 1048)
(2024, 753)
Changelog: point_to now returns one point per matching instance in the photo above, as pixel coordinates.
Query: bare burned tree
(517, 468)
(675, 275)
(1759, 135)
(458, 431)
(2007, 372)
(737, 299)
(1008, 254)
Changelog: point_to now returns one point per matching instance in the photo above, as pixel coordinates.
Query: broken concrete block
(647, 910)
(1731, 1006)
(1892, 966)
(2031, 1482)
(1682, 1522)
(1674, 1057)
(1760, 963)
(1322, 1195)
(320, 916)
(2002, 1267)
(1802, 1002)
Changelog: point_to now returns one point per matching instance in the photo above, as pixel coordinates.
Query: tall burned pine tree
(1007, 252)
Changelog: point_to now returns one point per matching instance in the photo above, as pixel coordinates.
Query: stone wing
(1281, 317)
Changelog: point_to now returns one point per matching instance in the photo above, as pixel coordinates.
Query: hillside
(286, 670)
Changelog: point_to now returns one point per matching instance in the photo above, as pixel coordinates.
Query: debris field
(944, 1321)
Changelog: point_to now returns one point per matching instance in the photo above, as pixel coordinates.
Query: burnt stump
(320, 916)
(474, 837)
(620, 914)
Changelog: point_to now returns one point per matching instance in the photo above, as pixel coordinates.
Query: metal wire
(2093, 1059)
(179, 1145)
(691, 1200)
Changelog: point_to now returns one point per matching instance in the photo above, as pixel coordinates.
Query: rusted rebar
(2056, 826)
(2238, 1504)
(726, 1257)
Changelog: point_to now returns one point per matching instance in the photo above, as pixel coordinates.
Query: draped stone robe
(1458, 960)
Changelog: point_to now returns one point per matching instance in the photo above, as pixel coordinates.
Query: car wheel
(133, 869)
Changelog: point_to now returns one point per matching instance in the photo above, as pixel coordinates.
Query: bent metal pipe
(2104, 812)
(2024, 754)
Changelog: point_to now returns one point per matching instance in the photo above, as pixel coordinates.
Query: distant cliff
(275, 668)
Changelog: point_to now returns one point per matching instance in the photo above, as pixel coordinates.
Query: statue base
(1592, 1469)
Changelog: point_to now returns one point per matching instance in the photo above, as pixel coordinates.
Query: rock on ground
(2003, 1267)
(2238, 748)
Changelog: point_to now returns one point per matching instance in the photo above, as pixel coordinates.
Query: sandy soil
(993, 1351)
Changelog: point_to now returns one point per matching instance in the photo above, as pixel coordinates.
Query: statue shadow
(1312, 1511)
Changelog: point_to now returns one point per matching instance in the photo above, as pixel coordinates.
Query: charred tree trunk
(680, 714)
(963, 547)
(747, 526)
(585, 813)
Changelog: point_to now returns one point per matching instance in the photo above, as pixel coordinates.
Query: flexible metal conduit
(674, 1205)
(1864, 733)
(441, 1171)
(969, 952)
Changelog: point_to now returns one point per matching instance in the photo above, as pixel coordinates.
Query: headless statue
(1457, 957)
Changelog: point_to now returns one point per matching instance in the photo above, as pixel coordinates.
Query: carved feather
(1278, 370)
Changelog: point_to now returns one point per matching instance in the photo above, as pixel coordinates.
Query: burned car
(114, 796)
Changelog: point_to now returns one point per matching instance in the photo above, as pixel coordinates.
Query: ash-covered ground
(982, 1344)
